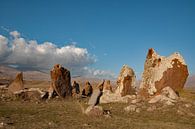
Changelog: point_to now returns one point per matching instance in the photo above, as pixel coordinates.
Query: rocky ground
(68, 114)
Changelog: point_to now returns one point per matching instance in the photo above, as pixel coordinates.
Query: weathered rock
(17, 84)
(126, 81)
(75, 88)
(95, 98)
(87, 90)
(109, 97)
(101, 85)
(30, 94)
(107, 86)
(160, 72)
(167, 91)
(168, 96)
(60, 81)
(94, 111)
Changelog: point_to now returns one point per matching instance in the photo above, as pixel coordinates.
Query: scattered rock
(138, 110)
(88, 89)
(60, 81)
(160, 72)
(30, 94)
(130, 108)
(188, 105)
(17, 84)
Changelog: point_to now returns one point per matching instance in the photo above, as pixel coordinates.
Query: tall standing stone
(61, 81)
(126, 81)
(160, 72)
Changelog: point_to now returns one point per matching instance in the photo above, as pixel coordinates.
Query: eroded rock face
(126, 81)
(107, 86)
(160, 72)
(75, 88)
(17, 84)
(60, 81)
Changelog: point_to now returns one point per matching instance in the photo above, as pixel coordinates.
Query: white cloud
(30, 54)
(15, 34)
(3, 46)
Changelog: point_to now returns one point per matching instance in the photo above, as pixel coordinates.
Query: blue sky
(117, 32)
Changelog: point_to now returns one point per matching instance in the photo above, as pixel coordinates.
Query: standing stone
(107, 86)
(88, 89)
(95, 98)
(75, 88)
(126, 81)
(17, 84)
(160, 72)
(61, 81)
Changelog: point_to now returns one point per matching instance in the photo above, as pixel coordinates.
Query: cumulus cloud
(31, 54)
(15, 34)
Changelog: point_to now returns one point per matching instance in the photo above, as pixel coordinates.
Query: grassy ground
(67, 114)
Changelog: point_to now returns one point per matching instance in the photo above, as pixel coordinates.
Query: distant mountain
(190, 81)
(9, 73)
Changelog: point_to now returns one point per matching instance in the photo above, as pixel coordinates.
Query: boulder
(126, 81)
(160, 72)
(17, 84)
(60, 81)
(167, 96)
(87, 90)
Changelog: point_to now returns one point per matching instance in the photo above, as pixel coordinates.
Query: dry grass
(67, 114)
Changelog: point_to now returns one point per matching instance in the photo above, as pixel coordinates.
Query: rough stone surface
(60, 81)
(17, 84)
(30, 94)
(95, 98)
(75, 88)
(87, 90)
(126, 81)
(109, 97)
(167, 96)
(107, 86)
(160, 72)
